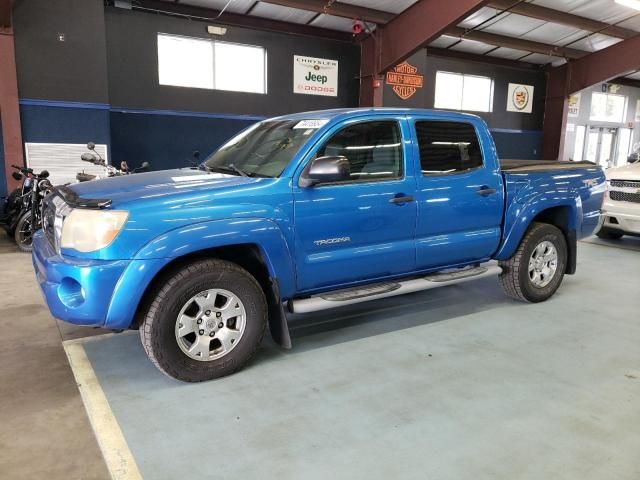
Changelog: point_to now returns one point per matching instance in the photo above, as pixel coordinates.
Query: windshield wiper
(227, 168)
(239, 171)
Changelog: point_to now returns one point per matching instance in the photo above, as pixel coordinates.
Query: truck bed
(531, 166)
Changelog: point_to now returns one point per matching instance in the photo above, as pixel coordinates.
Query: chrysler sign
(315, 76)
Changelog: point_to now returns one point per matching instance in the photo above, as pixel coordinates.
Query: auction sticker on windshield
(311, 124)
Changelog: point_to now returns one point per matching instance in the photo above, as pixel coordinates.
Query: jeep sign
(315, 76)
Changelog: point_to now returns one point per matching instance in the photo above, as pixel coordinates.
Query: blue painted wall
(167, 140)
(64, 122)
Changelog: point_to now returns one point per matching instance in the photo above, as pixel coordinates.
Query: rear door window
(447, 147)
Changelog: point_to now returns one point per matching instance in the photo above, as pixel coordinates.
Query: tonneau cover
(527, 166)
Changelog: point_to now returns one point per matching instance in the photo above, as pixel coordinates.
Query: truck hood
(154, 185)
(628, 172)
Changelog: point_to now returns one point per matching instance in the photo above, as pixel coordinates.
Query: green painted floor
(455, 383)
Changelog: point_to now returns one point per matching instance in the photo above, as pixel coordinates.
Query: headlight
(87, 230)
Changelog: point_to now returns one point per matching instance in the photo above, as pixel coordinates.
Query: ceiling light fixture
(635, 4)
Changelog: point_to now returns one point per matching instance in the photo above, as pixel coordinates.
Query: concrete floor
(44, 430)
(459, 382)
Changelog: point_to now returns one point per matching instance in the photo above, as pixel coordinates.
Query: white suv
(621, 208)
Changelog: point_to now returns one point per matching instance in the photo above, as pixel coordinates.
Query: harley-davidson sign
(404, 80)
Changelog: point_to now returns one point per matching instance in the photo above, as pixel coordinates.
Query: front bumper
(623, 216)
(76, 290)
(91, 292)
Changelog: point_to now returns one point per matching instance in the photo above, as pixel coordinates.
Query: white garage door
(62, 160)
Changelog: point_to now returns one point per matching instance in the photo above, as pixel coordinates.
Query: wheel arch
(249, 256)
(563, 216)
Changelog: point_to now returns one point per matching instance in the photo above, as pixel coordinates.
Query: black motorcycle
(17, 200)
(30, 216)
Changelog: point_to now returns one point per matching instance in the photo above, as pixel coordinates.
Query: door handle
(402, 199)
(485, 191)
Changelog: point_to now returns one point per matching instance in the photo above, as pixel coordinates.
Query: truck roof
(337, 113)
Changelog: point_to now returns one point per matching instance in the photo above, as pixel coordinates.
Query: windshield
(263, 150)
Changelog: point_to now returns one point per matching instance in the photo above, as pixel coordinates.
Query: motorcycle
(109, 170)
(30, 215)
(17, 200)
(22, 207)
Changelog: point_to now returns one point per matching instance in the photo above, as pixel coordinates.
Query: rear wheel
(23, 233)
(536, 270)
(609, 234)
(205, 322)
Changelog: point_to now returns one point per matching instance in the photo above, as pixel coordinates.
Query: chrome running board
(349, 296)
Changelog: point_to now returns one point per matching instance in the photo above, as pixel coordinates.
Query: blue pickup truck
(302, 213)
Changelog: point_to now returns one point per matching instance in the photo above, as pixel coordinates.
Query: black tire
(23, 234)
(609, 234)
(157, 329)
(515, 278)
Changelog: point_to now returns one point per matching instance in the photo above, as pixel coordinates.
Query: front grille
(48, 219)
(624, 196)
(625, 183)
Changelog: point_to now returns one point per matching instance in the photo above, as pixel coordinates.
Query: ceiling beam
(627, 82)
(238, 20)
(515, 43)
(604, 65)
(405, 34)
(410, 31)
(473, 57)
(563, 18)
(338, 9)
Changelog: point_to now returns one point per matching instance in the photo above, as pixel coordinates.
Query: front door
(460, 197)
(357, 230)
(601, 143)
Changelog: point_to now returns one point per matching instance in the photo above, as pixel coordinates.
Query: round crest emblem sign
(520, 97)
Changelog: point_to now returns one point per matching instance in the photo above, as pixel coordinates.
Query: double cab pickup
(302, 213)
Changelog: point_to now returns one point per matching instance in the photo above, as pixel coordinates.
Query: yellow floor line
(115, 450)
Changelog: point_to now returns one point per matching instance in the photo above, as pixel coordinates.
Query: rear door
(358, 230)
(459, 193)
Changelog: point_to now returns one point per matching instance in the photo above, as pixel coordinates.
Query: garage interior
(451, 383)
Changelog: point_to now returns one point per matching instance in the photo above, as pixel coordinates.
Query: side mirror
(44, 174)
(16, 175)
(326, 169)
(196, 154)
(91, 146)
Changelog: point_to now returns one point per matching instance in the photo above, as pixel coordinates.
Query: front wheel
(23, 233)
(536, 270)
(205, 322)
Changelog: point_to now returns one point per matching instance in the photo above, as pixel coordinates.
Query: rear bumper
(623, 216)
(101, 293)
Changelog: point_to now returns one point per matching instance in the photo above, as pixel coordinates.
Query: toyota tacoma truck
(621, 208)
(303, 213)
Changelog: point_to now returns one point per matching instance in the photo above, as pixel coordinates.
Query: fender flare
(525, 215)
(190, 239)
